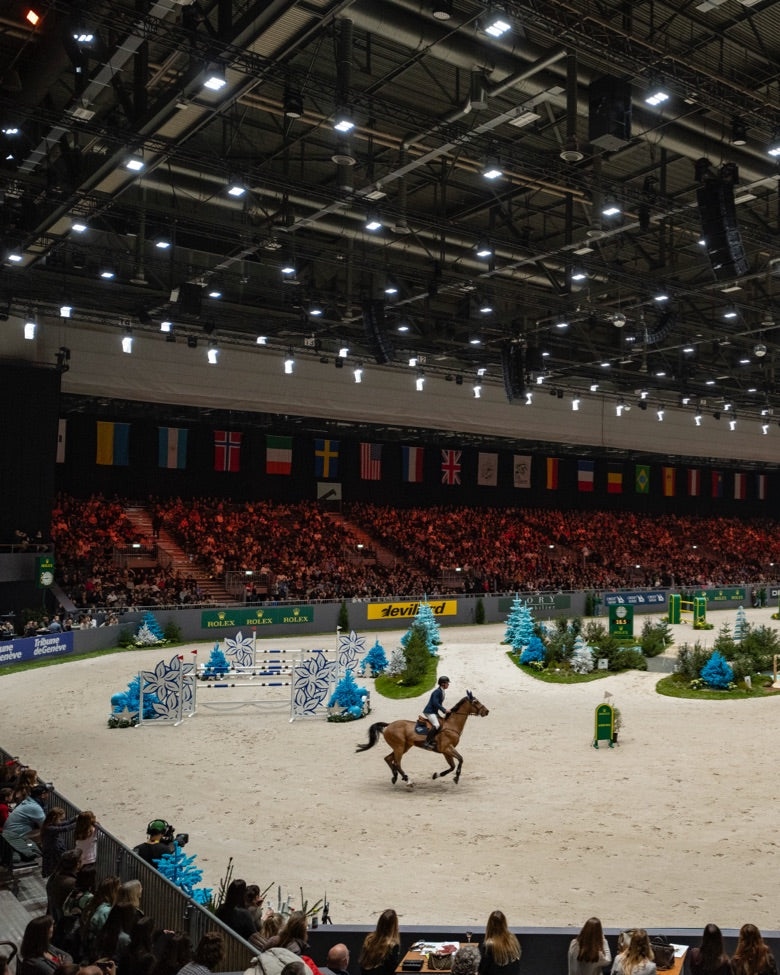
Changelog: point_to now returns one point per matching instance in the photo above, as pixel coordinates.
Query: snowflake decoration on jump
(350, 648)
(241, 648)
(165, 681)
(312, 679)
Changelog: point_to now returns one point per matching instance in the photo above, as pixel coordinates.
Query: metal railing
(170, 907)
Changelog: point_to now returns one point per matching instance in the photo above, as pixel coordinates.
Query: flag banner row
(377, 462)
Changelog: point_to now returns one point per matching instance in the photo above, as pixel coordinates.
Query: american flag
(371, 461)
(450, 466)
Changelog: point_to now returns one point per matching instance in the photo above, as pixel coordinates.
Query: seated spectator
(337, 962)
(94, 915)
(38, 955)
(753, 955)
(293, 935)
(122, 918)
(709, 956)
(5, 805)
(500, 951)
(637, 957)
(53, 838)
(62, 881)
(254, 905)
(589, 951)
(173, 951)
(25, 819)
(466, 960)
(26, 781)
(232, 910)
(381, 949)
(208, 955)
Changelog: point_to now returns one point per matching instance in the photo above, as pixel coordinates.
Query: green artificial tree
(343, 618)
(479, 611)
(417, 656)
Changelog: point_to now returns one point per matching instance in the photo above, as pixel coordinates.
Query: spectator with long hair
(233, 912)
(637, 957)
(122, 918)
(709, 956)
(753, 955)
(381, 949)
(38, 955)
(54, 832)
(85, 838)
(292, 935)
(208, 955)
(589, 951)
(94, 916)
(500, 951)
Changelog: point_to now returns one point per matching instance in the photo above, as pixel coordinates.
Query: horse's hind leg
(390, 759)
(448, 755)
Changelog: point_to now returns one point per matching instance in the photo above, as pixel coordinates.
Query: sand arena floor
(673, 828)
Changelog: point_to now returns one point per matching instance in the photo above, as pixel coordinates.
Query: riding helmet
(443, 680)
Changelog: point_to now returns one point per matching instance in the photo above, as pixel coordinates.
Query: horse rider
(433, 709)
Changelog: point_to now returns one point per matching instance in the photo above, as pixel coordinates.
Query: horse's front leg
(448, 754)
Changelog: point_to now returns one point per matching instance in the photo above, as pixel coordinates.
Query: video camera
(166, 832)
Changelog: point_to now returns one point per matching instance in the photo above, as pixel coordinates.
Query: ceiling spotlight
(343, 352)
(262, 340)
(66, 311)
(529, 398)
(765, 428)
(697, 419)
(212, 355)
(561, 323)
(477, 390)
(738, 132)
(293, 103)
(575, 403)
(289, 362)
(484, 250)
(134, 163)
(733, 424)
(162, 243)
(611, 207)
(594, 387)
(491, 170)
(403, 326)
(475, 340)
(287, 268)
(78, 227)
(618, 319)
(29, 328)
(657, 93)
(315, 311)
(578, 274)
(107, 273)
(774, 143)
(730, 312)
(420, 381)
(571, 152)
(373, 222)
(342, 120)
(215, 293)
(759, 350)
(358, 374)
(166, 326)
(127, 342)
(236, 188)
(32, 17)
(661, 297)
(496, 23)
(215, 79)
(14, 257)
(391, 288)
(660, 414)
(441, 9)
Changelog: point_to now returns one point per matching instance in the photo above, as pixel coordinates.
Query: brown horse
(401, 736)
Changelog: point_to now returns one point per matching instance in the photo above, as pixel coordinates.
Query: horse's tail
(373, 734)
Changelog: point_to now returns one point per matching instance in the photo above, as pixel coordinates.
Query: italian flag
(278, 455)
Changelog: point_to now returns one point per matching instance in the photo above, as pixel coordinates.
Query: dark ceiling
(433, 98)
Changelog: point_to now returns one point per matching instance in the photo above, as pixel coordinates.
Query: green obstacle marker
(605, 724)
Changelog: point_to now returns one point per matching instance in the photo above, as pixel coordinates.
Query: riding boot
(430, 741)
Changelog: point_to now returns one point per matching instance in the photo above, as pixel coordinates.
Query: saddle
(423, 726)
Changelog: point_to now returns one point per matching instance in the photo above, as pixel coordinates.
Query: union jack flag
(450, 466)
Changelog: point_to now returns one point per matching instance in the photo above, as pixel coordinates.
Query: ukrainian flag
(113, 444)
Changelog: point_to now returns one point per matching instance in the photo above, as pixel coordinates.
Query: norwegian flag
(227, 450)
(450, 466)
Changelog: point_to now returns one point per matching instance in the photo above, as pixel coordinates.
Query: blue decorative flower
(242, 648)
(350, 648)
(164, 681)
(311, 680)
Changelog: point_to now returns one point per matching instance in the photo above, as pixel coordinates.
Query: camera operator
(159, 841)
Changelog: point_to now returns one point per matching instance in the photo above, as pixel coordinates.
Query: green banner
(721, 595)
(621, 621)
(226, 619)
(44, 571)
(537, 601)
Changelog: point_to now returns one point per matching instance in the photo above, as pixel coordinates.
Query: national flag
(278, 454)
(642, 479)
(717, 484)
(172, 447)
(740, 487)
(371, 461)
(113, 444)
(412, 464)
(326, 458)
(522, 471)
(62, 430)
(487, 470)
(761, 487)
(552, 473)
(615, 479)
(227, 450)
(670, 481)
(585, 475)
(450, 466)
(694, 482)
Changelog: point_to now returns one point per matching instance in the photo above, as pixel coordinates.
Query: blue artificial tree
(349, 697)
(180, 870)
(716, 672)
(428, 622)
(129, 701)
(533, 652)
(376, 659)
(150, 624)
(519, 625)
(217, 664)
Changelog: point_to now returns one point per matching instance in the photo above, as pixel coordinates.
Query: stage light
(733, 424)
(212, 355)
(765, 428)
(32, 17)
(575, 403)
(29, 328)
(373, 222)
(358, 374)
(477, 390)
(491, 170)
(134, 163)
(215, 79)
(66, 311)
(496, 23)
(262, 340)
(236, 188)
(215, 293)
(529, 398)
(420, 381)
(656, 93)
(343, 121)
(774, 143)
(289, 363)
(127, 342)
(697, 419)
(484, 250)
(738, 132)
(611, 207)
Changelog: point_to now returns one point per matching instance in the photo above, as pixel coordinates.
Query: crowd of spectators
(299, 551)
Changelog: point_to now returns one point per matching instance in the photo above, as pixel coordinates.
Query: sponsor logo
(385, 611)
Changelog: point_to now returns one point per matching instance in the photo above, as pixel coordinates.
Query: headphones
(157, 826)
